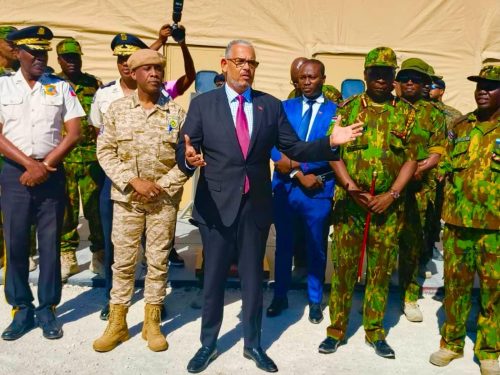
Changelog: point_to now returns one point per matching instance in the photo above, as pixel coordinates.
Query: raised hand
(193, 158)
(345, 134)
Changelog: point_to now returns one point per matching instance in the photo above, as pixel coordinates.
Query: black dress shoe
(104, 315)
(329, 345)
(276, 307)
(175, 259)
(202, 359)
(18, 328)
(51, 329)
(382, 348)
(315, 313)
(260, 358)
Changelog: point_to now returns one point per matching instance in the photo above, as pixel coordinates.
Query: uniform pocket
(125, 146)
(166, 147)
(459, 156)
(12, 107)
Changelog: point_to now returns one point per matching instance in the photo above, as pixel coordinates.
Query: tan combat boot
(69, 265)
(489, 367)
(151, 328)
(443, 357)
(412, 312)
(97, 263)
(116, 332)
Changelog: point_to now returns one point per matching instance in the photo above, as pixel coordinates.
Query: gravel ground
(291, 340)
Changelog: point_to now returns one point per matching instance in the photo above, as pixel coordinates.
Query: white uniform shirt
(33, 118)
(106, 95)
(315, 108)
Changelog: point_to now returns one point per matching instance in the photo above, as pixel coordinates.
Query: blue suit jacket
(293, 110)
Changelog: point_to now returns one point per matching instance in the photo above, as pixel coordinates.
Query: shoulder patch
(109, 84)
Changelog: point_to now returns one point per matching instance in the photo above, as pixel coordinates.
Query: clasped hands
(145, 191)
(377, 203)
(36, 173)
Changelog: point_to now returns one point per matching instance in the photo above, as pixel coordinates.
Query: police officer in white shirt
(33, 109)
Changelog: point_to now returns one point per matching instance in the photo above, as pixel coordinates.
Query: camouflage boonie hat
(432, 73)
(416, 65)
(381, 56)
(4, 30)
(488, 73)
(68, 45)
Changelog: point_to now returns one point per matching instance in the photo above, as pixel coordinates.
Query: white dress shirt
(232, 98)
(33, 118)
(315, 108)
(104, 96)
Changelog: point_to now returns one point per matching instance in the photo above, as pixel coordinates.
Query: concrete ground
(291, 340)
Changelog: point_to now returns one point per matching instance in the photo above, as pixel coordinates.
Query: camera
(177, 33)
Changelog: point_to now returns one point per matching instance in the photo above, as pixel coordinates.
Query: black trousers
(245, 240)
(22, 206)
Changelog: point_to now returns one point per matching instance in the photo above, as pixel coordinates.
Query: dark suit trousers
(220, 244)
(22, 206)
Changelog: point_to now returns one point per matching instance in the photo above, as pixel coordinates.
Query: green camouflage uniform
(329, 91)
(384, 147)
(84, 176)
(472, 232)
(420, 197)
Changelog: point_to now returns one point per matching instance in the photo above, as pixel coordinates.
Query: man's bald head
(294, 69)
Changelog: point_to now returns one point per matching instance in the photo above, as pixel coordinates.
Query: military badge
(172, 122)
(451, 135)
(50, 90)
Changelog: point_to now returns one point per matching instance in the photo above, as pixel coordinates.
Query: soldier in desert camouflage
(471, 238)
(137, 151)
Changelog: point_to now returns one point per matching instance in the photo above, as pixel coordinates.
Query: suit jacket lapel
(320, 119)
(295, 116)
(226, 119)
(258, 112)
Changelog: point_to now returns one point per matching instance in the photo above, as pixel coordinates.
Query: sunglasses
(240, 63)
(405, 78)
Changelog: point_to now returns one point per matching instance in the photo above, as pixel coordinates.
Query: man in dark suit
(236, 128)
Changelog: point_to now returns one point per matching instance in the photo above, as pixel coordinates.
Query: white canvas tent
(455, 36)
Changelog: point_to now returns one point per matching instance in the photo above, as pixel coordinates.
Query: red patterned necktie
(243, 134)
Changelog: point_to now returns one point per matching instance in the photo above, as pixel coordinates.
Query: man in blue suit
(302, 194)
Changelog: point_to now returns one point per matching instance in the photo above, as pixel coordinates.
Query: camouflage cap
(488, 73)
(381, 56)
(68, 45)
(415, 64)
(4, 30)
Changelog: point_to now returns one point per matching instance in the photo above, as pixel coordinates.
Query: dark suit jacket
(211, 128)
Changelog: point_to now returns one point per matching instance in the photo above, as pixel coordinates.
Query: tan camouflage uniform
(135, 144)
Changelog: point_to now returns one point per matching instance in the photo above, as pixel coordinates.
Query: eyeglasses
(241, 62)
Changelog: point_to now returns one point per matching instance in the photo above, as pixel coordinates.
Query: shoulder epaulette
(108, 84)
(461, 119)
(405, 101)
(54, 77)
(343, 103)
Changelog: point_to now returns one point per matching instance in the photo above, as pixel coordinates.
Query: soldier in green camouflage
(386, 147)
(329, 91)
(438, 88)
(472, 232)
(84, 175)
(429, 135)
